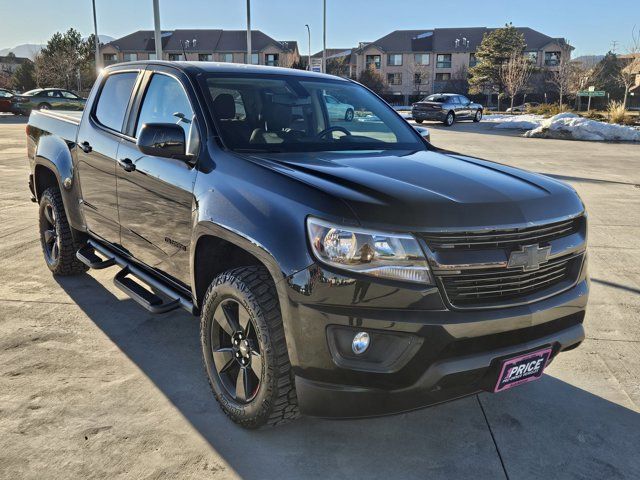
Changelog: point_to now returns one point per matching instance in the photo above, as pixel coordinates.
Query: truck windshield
(287, 113)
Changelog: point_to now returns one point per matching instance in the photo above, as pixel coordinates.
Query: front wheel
(449, 119)
(244, 349)
(478, 116)
(417, 120)
(57, 241)
(348, 116)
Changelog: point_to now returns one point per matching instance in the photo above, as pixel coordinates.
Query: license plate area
(524, 368)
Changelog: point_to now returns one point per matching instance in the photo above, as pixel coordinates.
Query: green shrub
(548, 109)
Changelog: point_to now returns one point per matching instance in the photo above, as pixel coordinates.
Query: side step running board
(87, 255)
(124, 280)
(144, 297)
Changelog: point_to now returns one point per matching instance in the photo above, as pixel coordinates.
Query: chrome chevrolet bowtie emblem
(529, 257)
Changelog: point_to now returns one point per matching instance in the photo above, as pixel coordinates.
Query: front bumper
(429, 353)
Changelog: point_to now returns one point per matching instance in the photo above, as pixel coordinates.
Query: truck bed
(62, 123)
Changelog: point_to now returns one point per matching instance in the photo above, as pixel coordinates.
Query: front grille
(477, 287)
(503, 238)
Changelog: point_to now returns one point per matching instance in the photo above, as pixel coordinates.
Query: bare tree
(583, 76)
(515, 74)
(563, 77)
(626, 77)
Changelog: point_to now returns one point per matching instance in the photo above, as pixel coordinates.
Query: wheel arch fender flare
(54, 154)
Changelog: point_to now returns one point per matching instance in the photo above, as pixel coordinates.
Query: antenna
(614, 45)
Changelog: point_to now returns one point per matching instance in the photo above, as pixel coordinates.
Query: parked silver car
(446, 108)
(338, 110)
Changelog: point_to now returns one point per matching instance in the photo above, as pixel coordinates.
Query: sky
(590, 26)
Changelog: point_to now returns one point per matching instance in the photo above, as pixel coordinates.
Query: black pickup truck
(340, 267)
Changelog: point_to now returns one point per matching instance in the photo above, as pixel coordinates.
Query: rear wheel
(57, 241)
(44, 106)
(244, 349)
(348, 116)
(417, 120)
(449, 119)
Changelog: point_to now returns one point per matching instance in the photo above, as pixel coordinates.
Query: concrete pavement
(91, 386)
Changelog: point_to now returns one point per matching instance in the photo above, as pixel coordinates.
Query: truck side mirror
(162, 140)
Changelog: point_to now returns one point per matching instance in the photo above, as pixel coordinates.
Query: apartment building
(203, 45)
(414, 63)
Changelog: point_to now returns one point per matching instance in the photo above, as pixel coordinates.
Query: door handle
(86, 148)
(127, 164)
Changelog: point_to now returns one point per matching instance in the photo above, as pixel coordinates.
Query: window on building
(130, 57)
(394, 59)
(153, 56)
(421, 59)
(271, 59)
(254, 59)
(533, 56)
(473, 61)
(114, 99)
(443, 60)
(110, 58)
(175, 57)
(374, 60)
(166, 102)
(394, 78)
(205, 57)
(551, 59)
(443, 76)
(226, 57)
(418, 78)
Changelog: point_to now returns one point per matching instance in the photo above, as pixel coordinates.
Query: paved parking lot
(91, 386)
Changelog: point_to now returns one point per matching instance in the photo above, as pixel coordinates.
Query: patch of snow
(515, 122)
(565, 125)
(572, 126)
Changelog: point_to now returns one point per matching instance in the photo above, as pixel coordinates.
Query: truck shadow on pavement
(543, 429)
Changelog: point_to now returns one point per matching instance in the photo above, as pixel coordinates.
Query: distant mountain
(30, 50)
(588, 60)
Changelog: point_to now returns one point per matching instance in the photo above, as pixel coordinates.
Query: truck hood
(429, 189)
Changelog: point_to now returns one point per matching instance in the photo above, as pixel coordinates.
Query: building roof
(206, 40)
(15, 60)
(333, 52)
(142, 40)
(464, 39)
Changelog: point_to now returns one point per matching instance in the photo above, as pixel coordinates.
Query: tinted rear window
(114, 98)
(436, 98)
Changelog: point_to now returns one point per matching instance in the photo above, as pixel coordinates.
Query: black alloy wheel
(50, 238)
(236, 351)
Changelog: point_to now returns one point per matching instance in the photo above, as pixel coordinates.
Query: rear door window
(114, 99)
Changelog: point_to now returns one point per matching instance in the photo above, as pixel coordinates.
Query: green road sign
(594, 93)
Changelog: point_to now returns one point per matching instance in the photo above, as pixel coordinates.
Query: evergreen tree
(370, 78)
(493, 52)
(24, 77)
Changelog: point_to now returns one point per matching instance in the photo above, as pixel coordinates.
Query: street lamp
(158, 33)
(97, 40)
(324, 36)
(309, 56)
(249, 32)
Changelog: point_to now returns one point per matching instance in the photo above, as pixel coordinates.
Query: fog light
(360, 343)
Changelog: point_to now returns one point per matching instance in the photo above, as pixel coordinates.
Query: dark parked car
(6, 100)
(446, 108)
(339, 267)
(48, 99)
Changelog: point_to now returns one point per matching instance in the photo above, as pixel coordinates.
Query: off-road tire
(66, 262)
(275, 402)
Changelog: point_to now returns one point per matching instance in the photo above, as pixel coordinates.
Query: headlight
(379, 254)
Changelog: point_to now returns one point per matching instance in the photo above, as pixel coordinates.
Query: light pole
(324, 37)
(158, 33)
(249, 32)
(309, 55)
(97, 40)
